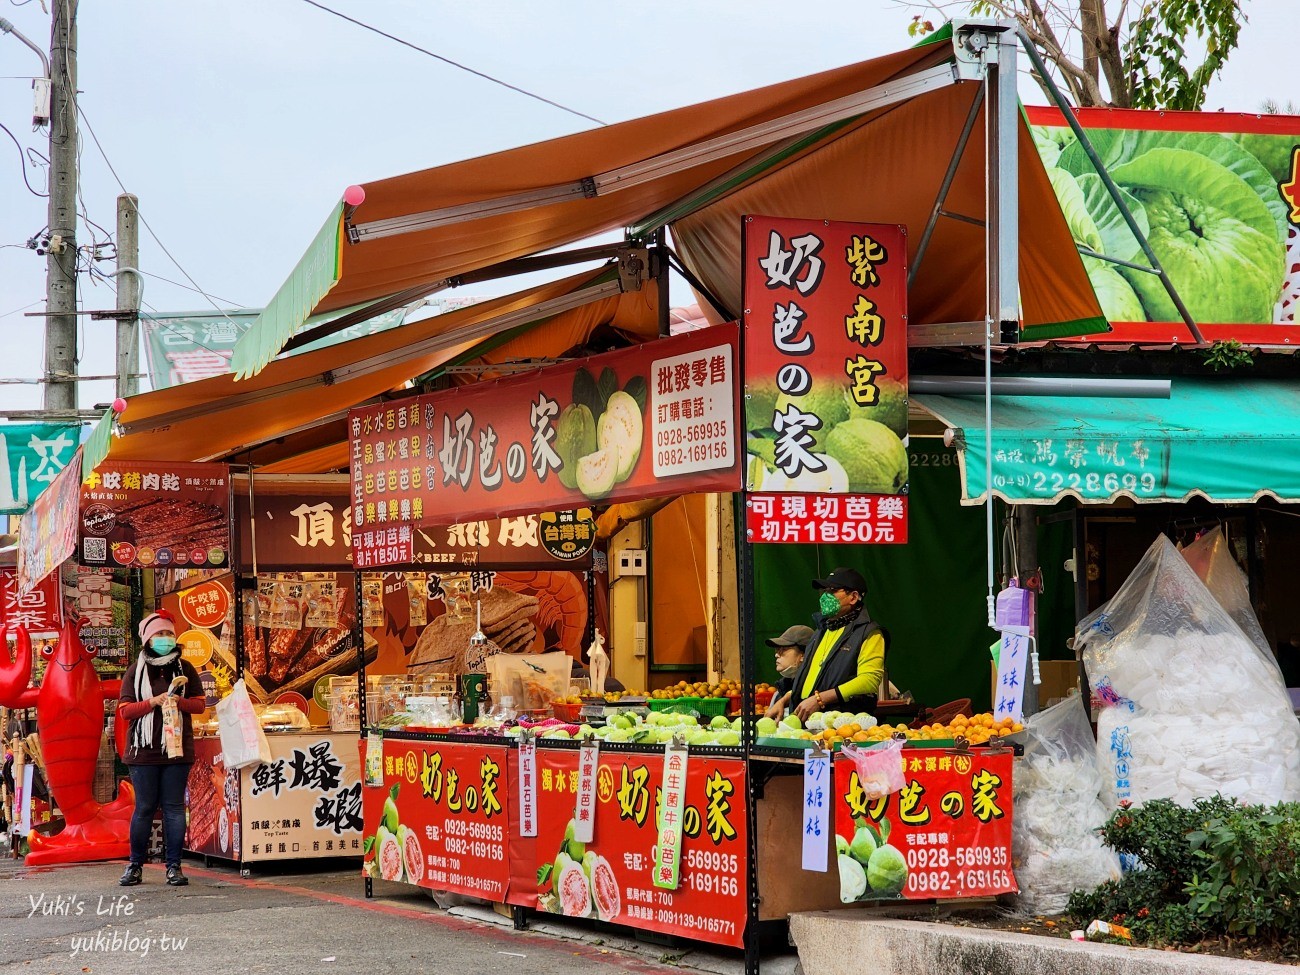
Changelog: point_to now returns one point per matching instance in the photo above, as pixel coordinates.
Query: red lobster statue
(69, 721)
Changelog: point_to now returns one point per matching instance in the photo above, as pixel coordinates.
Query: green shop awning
(1227, 440)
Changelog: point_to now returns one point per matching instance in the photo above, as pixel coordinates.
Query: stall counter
(306, 802)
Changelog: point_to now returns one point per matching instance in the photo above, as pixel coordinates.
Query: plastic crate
(712, 707)
(762, 700)
(568, 713)
(680, 704)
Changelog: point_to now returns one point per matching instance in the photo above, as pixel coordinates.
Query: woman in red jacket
(158, 779)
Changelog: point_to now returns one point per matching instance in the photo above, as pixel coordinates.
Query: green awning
(1227, 440)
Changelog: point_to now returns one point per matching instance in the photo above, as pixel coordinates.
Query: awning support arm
(1089, 252)
(941, 197)
(1111, 188)
(716, 303)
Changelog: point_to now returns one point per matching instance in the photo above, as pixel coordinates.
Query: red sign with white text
(946, 834)
(441, 818)
(827, 519)
(825, 358)
(40, 610)
(653, 420)
(611, 878)
(205, 605)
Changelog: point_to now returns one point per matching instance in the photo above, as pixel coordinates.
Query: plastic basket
(674, 704)
(762, 700)
(712, 707)
(568, 713)
(943, 714)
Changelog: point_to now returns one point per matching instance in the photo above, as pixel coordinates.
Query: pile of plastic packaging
(1059, 807)
(1194, 706)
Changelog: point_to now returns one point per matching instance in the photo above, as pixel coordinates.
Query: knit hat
(155, 623)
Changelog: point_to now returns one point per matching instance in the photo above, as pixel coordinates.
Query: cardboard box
(1059, 678)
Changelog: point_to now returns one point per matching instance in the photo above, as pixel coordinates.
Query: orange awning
(289, 416)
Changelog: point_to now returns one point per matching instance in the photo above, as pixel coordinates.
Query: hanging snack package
(1055, 848)
(1168, 662)
(532, 680)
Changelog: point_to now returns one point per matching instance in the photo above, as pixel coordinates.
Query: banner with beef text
(826, 375)
(441, 818)
(611, 878)
(658, 419)
(946, 834)
(145, 514)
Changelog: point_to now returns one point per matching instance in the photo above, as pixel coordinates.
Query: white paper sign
(668, 849)
(527, 787)
(816, 810)
(1013, 667)
(692, 412)
(584, 806)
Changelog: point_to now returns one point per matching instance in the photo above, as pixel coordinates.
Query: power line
(22, 158)
(456, 64)
(140, 214)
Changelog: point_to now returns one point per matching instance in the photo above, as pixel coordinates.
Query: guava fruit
(760, 403)
(887, 871)
(766, 726)
(598, 473)
(604, 887)
(571, 887)
(864, 844)
(575, 437)
(871, 454)
(390, 818)
(728, 739)
(720, 723)
(412, 855)
(571, 846)
(390, 856)
(853, 879)
(826, 402)
(621, 426)
(831, 479)
(841, 844)
(792, 721)
(890, 407)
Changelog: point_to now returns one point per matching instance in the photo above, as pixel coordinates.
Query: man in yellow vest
(845, 663)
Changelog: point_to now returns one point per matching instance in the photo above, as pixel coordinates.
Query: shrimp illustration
(561, 607)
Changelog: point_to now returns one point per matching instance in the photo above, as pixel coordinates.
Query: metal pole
(957, 153)
(128, 294)
(61, 262)
(1026, 551)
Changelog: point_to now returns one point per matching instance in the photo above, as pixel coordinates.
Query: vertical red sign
(825, 380)
(40, 610)
(947, 833)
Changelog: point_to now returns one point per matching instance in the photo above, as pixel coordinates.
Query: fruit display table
(306, 802)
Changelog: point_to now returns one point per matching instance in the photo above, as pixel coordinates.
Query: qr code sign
(95, 549)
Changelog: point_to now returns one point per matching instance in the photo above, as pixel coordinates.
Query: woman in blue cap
(845, 663)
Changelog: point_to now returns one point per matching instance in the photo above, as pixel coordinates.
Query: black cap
(795, 636)
(843, 578)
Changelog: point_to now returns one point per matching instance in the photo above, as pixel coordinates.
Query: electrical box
(639, 640)
(632, 562)
(40, 101)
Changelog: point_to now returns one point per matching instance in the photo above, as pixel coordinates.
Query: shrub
(1209, 870)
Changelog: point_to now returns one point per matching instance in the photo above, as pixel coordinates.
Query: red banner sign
(826, 519)
(946, 834)
(611, 878)
(40, 610)
(654, 420)
(152, 515)
(826, 365)
(441, 819)
(47, 533)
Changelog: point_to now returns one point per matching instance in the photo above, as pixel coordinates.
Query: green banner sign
(31, 456)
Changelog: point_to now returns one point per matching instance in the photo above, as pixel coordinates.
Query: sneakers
(175, 878)
(132, 876)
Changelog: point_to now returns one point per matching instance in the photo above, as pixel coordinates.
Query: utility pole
(128, 294)
(61, 262)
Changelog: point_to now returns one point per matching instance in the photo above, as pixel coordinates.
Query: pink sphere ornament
(354, 196)
(119, 405)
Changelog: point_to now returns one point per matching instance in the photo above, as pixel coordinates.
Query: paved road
(76, 919)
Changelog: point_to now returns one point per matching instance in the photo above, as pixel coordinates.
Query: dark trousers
(159, 785)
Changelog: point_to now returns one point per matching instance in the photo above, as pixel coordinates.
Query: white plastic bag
(1058, 785)
(880, 767)
(1213, 564)
(243, 742)
(1193, 706)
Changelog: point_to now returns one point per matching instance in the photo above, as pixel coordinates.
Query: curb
(836, 942)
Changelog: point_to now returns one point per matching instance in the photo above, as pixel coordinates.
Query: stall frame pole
(359, 642)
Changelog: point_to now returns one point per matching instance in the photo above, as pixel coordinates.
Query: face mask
(828, 604)
(162, 645)
(789, 671)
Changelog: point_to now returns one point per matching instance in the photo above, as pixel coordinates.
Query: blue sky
(238, 123)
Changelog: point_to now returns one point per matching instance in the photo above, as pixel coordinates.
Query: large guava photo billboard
(1211, 193)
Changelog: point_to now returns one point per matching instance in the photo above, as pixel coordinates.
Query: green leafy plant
(1228, 355)
(1215, 869)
